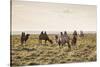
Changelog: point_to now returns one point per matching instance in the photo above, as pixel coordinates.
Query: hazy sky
(37, 16)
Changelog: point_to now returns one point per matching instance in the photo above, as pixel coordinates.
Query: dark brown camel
(81, 34)
(75, 33)
(44, 36)
(74, 39)
(24, 38)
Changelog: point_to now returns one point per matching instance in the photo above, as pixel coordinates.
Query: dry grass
(35, 54)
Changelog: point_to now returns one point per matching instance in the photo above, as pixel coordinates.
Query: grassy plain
(33, 53)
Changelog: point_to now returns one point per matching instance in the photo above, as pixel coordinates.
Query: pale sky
(37, 16)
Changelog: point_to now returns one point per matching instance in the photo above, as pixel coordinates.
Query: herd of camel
(61, 39)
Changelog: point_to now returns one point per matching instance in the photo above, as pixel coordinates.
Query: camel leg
(62, 44)
(59, 43)
(25, 42)
(72, 43)
(40, 41)
(21, 42)
(69, 45)
(45, 42)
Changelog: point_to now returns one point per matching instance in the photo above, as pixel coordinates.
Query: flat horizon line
(49, 32)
